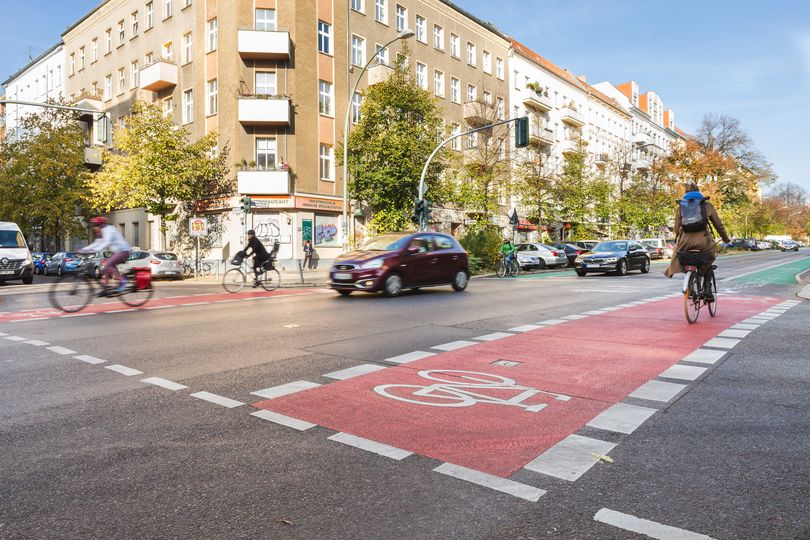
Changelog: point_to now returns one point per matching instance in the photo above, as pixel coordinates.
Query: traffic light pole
(422, 217)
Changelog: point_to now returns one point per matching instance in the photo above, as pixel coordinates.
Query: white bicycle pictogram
(459, 388)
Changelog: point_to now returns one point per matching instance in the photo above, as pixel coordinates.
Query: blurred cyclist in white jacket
(109, 238)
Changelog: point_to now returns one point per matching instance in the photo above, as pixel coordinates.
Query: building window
(188, 106)
(167, 9)
(455, 131)
(211, 103)
(438, 37)
(455, 90)
(135, 24)
(122, 33)
(168, 107)
(357, 102)
(188, 51)
(382, 55)
(471, 140)
(212, 35)
(108, 41)
(265, 153)
(81, 58)
(149, 59)
(72, 64)
(94, 50)
(471, 54)
(325, 98)
(168, 51)
(487, 62)
(357, 5)
(358, 51)
(455, 46)
(135, 74)
(108, 87)
(438, 83)
(499, 107)
(421, 29)
(402, 18)
(381, 11)
(265, 83)
(421, 76)
(499, 68)
(472, 93)
(150, 15)
(266, 20)
(186, 3)
(488, 97)
(122, 80)
(326, 162)
(324, 38)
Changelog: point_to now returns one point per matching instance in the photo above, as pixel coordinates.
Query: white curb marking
(595, 312)
(16, 338)
(164, 383)
(122, 310)
(408, 357)
(570, 458)
(370, 446)
(734, 333)
(721, 343)
(657, 391)
(219, 400)
(61, 350)
(282, 420)
(124, 370)
(744, 326)
(510, 487)
(493, 336)
(704, 356)
(453, 345)
(285, 389)
(89, 359)
(79, 315)
(160, 307)
(685, 373)
(36, 343)
(526, 328)
(574, 317)
(645, 526)
(355, 371)
(622, 418)
(551, 322)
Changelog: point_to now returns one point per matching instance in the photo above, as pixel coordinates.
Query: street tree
(154, 166)
(535, 183)
(400, 125)
(43, 175)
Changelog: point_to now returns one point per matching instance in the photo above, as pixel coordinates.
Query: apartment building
(38, 81)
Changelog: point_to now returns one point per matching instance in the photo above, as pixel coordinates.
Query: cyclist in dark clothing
(260, 256)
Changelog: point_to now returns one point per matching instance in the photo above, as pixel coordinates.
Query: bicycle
(235, 278)
(202, 268)
(694, 297)
(512, 269)
(73, 292)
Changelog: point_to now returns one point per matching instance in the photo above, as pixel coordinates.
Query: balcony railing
(263, 44)
(568, 147)
(158, 76)
(538, 101)
(258, 182)
(573, 117)
(601, 159)
(541, 136)
(379, 73)
(259, 111)
(477, 113)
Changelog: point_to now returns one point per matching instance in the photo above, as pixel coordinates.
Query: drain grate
(506, 363)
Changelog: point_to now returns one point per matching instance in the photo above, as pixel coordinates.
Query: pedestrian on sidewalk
(308, 251)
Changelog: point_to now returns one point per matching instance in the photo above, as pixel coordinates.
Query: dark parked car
(571, 251)
(587, 245)
(748, 244)
(789, 245)
(614, 256)
(397, 261)
(655, 251)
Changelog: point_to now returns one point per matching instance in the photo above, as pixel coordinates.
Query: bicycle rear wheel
(713, 304)
(500, 270)
(691, 299)
(514, 268)
(134, 297)
(270, 280)
(71, 293)
(234, 280)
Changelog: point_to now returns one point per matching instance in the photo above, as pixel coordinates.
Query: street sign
(513, 218)
(306, 230)
(197, 227)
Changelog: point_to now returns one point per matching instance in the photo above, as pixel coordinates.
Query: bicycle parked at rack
(73, 292)
(694, 294)
(512, 268)
(202, 268)
(267, 275)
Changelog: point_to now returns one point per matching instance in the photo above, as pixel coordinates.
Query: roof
(486, 24)
(77, 23)
(31, 63)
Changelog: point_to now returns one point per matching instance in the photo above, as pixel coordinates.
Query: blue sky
(747, 59)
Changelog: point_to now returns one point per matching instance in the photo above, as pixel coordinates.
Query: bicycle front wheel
(514, 268)
(691, 299)
(134, 297)
(234, 280)
(71, 293)
(500, 270)
(270, 280)
(713, 303)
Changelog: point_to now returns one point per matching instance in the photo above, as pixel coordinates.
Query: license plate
(343, 275)
(6, 272)
(591, 266)
(170, 273)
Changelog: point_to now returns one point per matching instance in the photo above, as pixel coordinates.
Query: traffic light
(427, 208)
(246, 203)
(522, 132)
(418, 211)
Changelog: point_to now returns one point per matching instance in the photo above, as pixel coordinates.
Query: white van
(15, 259)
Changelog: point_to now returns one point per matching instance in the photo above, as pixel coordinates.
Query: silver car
(545, 255)
(161, 263)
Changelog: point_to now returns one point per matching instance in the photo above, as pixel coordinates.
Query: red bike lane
(469, 408)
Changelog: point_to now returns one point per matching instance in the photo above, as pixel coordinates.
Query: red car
(396, 261)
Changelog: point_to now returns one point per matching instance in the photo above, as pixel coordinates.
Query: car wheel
(393, 285)
(581, 273)
(645, 267)
(96, 272)
(36, 270)
(45, 271)
(460, 281)
(344, 292)
(621, 268)
(59, 271)
(541, 264)
(28, 280)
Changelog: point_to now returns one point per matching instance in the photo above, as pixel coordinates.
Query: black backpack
(693, 215)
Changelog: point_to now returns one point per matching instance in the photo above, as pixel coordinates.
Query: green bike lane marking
(781, 274)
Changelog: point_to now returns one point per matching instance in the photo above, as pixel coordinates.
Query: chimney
(583, 78)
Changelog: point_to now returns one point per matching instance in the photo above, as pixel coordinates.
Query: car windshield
(650, 244)
(11, 239)
(166, 256)
(387, 242)
(611, 246)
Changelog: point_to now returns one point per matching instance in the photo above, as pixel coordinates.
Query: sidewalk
(290, 277)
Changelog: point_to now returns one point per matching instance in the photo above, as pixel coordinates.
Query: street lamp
(405, 34)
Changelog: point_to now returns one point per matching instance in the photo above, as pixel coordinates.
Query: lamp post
(405, 34)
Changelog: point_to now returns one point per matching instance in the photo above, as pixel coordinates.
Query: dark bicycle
(267, 275)
(511, 268)
(698, 270)
(73, 292)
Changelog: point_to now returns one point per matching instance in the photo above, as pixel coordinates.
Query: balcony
(538, 101)
(569, 147)
(89, 103)
(642, 164)
(92, 157)
(259, 111)
(263, 44)
(263, 182)
(642, 139)
(600, 160)
(159, 76)
(572, 117)
(541, 136)
(379, 73)
(478, 114)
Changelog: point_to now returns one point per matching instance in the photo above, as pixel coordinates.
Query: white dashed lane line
(622, 418)
(15, 338)
(645, 527)
(493, 336)
(61, 350)
(684, 373)
(370, 446)
(570, 458)
(704, 356)
(89, 359)
(526, 328)
(282, 420)
(355, 371)
(657, 391)
(503, 485)
(453, 345)
(408, 357)
(124, 370)
(164, 383)
(285, 389)
(217, 399)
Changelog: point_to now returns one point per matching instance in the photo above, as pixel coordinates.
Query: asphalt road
(94, 452)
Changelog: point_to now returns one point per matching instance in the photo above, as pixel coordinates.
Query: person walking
(308, 250)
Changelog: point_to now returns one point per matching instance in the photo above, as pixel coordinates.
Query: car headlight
(611, 260)
(376, 263)
(578, 259)
(27, 261)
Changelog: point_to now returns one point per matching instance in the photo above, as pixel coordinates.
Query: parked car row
(752, 244)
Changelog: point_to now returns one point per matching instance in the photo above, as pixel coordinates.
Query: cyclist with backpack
(694, 219)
